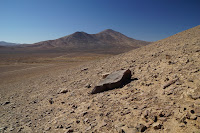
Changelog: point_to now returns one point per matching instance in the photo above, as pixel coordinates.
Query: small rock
(169, 92)
(157, 126)
(84, 113)
(141, 127)
(3, 129)
(84, 69)
(198, 120)
(135, 107)
(48, 128)
(86, 120)
(195, 96)
(125, 112)
(88, 128)
(88, 107)
(148, 124)
(7, 102)
(62, 90)
(182, 119)
(162, 119)
(178, 83)
(197, 111)
(167, 57)
(146, 113)
(11, 129)
(77, 121)
(101, 114)
(131, 130)
(182, 125)
(170, 62)
(72, 112)
(20, 129)
(93, 124)
(142, 107)
(103, 124)
(74, 106)
(51, 101)
(162, 113)
(119, 125)
(193, 117)
(190, 80)
(70, 131)
(68, 127)
(122, 131)
(88, 86)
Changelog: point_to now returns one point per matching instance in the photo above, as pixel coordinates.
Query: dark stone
(68, 127)
(63, 91)
(77, 121)
(70, 131)
(74, 106)
(7, 102)
(114, 80)
(84, 69)
(122, 131)
(51, 101)
(84, 113)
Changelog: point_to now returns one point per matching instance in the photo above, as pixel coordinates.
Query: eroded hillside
(152, 103)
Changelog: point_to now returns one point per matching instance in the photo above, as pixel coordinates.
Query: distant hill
(2, 43)
(105, 40)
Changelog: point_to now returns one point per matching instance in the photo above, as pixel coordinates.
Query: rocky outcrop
(113, 80)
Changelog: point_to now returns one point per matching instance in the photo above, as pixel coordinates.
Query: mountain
(107, 39)
(2, 43)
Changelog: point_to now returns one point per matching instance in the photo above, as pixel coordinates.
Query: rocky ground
(164, 95)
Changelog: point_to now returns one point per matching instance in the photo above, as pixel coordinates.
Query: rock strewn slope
(144, 105)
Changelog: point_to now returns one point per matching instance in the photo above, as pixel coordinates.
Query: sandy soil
(149, 104)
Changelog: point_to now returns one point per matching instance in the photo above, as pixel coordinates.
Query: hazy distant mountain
(2, 43)
(107, 39)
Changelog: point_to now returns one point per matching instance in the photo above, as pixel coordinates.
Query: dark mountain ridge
(3, 43)
(107, 41)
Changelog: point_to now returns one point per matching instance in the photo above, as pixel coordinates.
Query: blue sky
(30, 21)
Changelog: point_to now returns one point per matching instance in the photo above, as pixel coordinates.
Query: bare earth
(165, 98)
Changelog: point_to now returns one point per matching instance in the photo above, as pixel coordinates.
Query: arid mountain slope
(107, 41)
(2, 43)
(152, 103)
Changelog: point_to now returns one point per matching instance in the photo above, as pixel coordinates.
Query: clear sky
(29, 21)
